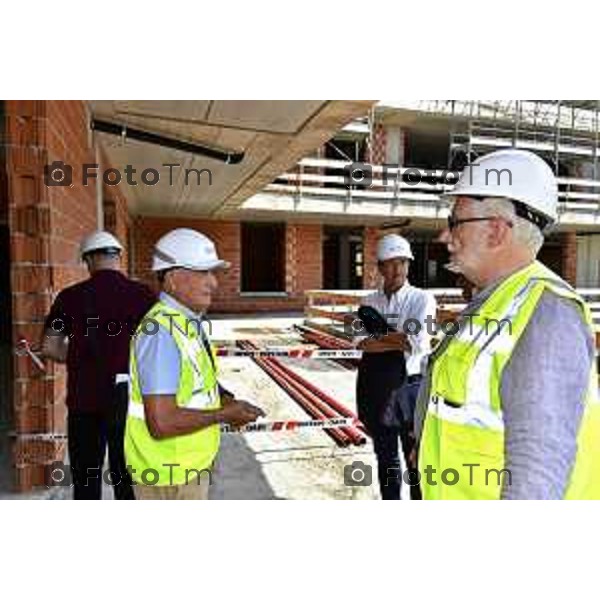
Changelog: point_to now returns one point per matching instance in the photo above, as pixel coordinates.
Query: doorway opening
(343, 258)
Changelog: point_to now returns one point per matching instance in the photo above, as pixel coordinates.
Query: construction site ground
(305, 464)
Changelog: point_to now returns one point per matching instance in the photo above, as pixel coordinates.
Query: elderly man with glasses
(509, 406)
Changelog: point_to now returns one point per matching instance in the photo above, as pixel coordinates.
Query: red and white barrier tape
(290, 425)
(23, 348)
(292, 353)
(257, 427)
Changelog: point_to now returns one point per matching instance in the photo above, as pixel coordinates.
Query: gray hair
(524, 232)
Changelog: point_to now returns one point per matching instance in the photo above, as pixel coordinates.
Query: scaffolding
(565, 132)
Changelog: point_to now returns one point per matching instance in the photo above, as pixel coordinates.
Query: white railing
(326, 178)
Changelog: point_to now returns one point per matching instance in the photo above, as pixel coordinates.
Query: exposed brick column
(308, 258)
(46, 225)
(376, 150)
(569, 256)
(371, 274)
(290, 259)
(29, 224)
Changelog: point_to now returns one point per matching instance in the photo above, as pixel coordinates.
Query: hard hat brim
(217, 265)
(403, 255)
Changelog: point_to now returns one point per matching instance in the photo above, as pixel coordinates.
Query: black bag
(373, 321)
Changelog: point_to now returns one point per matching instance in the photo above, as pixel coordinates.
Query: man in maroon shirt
(89, 328)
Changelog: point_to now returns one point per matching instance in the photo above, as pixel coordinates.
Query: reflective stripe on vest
(199, 401)
(198, 389)
(464, 423)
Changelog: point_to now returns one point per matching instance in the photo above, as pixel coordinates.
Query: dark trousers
(89, 435)
(379, 377)
(389, 468)
(386, 442)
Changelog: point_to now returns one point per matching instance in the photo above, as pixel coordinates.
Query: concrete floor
(300, 465)
(306, 464)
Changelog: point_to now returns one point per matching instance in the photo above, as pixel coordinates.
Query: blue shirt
(157, 355)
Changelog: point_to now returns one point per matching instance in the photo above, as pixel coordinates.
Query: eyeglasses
(453, 222)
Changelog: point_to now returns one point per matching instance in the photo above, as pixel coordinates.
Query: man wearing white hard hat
(89, 328)
(509, 407)
(176, 405)
(393, 362)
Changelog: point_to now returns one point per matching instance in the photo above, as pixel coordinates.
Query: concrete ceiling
(272, 134)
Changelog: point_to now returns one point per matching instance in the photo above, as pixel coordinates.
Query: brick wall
(569, 256)
(46, 226)
(376, 149)
(371, 276)
(303, 261)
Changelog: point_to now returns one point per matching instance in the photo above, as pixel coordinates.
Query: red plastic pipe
(299, 396)
(305, 385)
(355, 437)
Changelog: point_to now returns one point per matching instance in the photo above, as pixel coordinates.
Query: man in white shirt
(394, 360)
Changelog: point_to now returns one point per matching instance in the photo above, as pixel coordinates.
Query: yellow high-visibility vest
(463, 431)
(198, 388)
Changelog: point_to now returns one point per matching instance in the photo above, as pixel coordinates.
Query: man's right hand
(54, 346)
(238, 413)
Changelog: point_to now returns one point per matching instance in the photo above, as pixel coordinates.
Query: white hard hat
(188, 249)
(99, 240)
(518, 175)
(393, 246)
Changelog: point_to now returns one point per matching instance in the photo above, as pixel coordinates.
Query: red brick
(29, 108)
(32, 220)
(30, 278)
(46, 224)
(23, 366)
(569, 256)
(66, 275)
(31, 475)
(370, 237)
(64, 252)
(26, 189)
(31, 452)
(27, 249)
(33, 391)
(25, 477)
(31, 418)
(30, 306)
